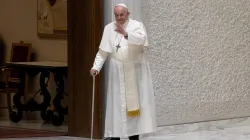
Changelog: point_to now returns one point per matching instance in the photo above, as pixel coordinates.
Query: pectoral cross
(118, 47)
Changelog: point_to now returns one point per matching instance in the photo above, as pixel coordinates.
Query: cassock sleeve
(105, 43)
(100, 58)
(104, 49)
(138, 36)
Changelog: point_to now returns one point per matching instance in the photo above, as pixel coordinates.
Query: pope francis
(130, 108)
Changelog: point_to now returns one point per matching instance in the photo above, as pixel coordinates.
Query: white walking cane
(93, 106)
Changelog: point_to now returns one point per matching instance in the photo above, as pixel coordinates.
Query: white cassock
(130, 105)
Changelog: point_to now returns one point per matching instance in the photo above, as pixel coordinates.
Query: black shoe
(114, 138)
(136, 137)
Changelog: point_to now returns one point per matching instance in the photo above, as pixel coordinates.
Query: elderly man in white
(130, 108)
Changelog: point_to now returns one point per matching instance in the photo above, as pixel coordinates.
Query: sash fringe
(134, 113)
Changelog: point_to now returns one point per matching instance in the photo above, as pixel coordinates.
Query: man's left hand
(120, 29)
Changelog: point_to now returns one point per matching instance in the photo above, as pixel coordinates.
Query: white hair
(123, 5)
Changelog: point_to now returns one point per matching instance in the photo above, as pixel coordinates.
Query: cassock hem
(131, 134)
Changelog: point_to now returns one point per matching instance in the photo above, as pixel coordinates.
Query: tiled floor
(233, 129)
(34, 125)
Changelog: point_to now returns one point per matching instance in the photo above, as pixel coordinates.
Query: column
(84, 35)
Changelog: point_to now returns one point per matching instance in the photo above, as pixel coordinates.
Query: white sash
(129, 57)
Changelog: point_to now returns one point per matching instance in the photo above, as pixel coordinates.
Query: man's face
(121, 14)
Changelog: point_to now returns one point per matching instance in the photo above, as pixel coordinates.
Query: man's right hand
(93, 72)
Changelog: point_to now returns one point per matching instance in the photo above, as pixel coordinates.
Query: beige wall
(18, 22)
